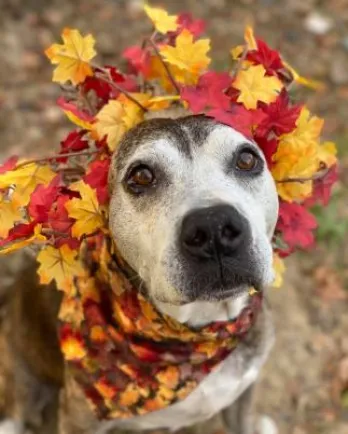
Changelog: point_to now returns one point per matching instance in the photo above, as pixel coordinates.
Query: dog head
(193, 209)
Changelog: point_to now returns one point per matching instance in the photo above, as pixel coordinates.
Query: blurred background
(305, 383)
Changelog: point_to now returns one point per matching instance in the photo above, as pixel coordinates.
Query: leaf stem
(318, 175)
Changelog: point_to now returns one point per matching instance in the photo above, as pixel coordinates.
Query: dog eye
(139, 178)
(247, 160)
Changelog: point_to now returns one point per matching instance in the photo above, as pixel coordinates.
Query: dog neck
(200, 313)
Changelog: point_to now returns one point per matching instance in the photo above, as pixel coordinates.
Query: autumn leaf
(250, 38)
(307, 82)
(208, 93)
(238, 117)
(10, 213)
(322, 188)
(72, 57)
(9, 164)
(60, 265)
(279, 269)
(254, 86)
(265, 56)
(97, 178)
(71, 343)
(186, 21)
(296, 225)
(187, 55)
(21, 236)
(25, 179)
(42, 199)
(139, 60)
(162, 21)
(115, 118)
(76, 116)
(86, 211)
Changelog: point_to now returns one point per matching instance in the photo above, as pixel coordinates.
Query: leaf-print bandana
(128, 357)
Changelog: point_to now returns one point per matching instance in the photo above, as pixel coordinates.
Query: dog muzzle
(129, 358)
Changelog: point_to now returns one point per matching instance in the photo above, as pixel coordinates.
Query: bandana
(128, 357)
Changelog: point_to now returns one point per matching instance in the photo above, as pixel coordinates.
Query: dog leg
(238, 418)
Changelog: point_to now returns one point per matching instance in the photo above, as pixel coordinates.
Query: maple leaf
(25, 179)
(327, 154)
(139, 59)
(279, 269)
(208, 93)
(9, 164)
(254, 86)
(250, 38)
(239, 118)
(296, 225)
(281, 116)
(60, 265)
(186, 21)
(10, 213)
(21, 236)
(74, 142)
(71, 343)
(42, 199)
(312, 84)
(265, 56)
(187, 55)
(268, 147)
(86, 211)
(115, 118)
(72, 57)
(162, 21)
(322, 188)
(97, 178)
(76, 116)
(307, 131)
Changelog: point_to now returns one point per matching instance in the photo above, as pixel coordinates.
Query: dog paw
(9, 426)
(265, 425)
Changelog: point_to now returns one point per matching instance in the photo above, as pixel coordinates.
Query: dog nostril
(229, 233)
(198, 239)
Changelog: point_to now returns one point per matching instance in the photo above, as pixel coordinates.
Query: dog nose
(210, 232)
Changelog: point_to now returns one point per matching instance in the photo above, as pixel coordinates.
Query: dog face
(193, 209)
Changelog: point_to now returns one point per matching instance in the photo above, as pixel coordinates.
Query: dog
(193, 209)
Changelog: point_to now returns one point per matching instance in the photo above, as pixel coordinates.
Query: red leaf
(267, 57)
(239, 117)
(296, 225)
(8, 165)
(42, 199)
(60, 222)
(322, 188)
(71, 107)
(104, 90)
(97, 177)
(280, 117)
(73, 143)
(186, 21)
(268, 147)
(22, 230)
(209, 92)
(139, 60)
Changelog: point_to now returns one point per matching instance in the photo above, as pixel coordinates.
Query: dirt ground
(305, 383)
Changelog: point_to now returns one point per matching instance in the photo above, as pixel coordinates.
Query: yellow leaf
(237, 51)
(187, 55)
(60, 265)
(307, 131)
(250, 38)
(254, 86)
(37, 237)
(72, 57)
(86, 211)
(162, 21)
(279, 269)
(25, 179)
(327, 153)
(312, 84)
(115, 118)
(71, 311)
(161, 102)
(10, 213)
(78, 121)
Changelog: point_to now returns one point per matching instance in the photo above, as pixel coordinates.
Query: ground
(305, 383)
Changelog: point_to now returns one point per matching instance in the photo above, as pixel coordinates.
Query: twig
(105, 76)
(57, 156)
(165, 66)
(315, 177)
